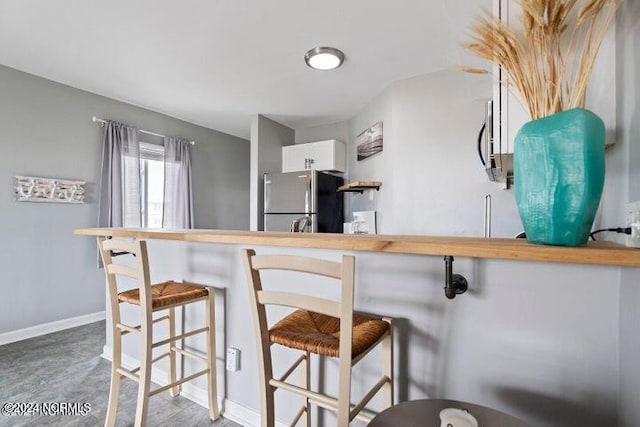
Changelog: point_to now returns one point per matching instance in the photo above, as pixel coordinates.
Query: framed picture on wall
(369, 141)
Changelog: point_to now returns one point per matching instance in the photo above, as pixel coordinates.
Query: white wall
(427, 119)
(628, 97)
(376, 168)
(48, 274)
(432, 180)
(267, 139)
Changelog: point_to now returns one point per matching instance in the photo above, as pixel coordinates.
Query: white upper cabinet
(329, 155)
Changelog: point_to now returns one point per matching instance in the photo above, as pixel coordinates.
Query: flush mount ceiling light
(324, 58)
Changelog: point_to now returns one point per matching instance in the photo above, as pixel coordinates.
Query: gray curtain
(178, 201)
(120, 202)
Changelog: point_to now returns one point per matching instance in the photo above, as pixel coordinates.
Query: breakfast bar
(494, 342)
(598, 253)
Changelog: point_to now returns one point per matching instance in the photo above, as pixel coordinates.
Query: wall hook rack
(455, 284)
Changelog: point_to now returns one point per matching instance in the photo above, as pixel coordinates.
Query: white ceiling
(217, 62)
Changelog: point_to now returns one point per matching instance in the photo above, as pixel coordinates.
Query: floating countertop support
(454, 284)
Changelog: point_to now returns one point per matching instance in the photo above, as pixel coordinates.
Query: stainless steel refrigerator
(303, 201)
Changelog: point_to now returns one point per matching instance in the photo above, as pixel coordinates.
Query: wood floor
(66, 367)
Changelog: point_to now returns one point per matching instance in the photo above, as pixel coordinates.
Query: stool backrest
(342, 309)
(342, 271)
(139, 272)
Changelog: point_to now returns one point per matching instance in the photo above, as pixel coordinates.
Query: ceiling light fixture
(324, 58)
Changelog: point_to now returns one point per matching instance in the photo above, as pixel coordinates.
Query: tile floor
(66, 367)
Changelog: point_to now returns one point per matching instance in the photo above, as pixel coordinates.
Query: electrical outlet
(233, 359)
(633, 221)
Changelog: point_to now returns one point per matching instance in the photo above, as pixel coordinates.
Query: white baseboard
(47, 328)
(229, 409)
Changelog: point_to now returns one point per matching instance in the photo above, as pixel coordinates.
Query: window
(140, 188)
(151, 184)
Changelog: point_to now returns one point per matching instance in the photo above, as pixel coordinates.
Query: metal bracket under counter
(454, 284)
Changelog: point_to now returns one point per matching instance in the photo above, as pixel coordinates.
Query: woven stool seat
(166, 294)
(320, 334)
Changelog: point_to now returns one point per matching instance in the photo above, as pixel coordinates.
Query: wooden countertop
(597, 253)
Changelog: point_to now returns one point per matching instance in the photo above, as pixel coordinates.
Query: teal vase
(558, 176)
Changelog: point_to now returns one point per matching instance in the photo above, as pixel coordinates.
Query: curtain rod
(104, 122)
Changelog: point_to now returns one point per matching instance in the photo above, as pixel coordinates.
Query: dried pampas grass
(549, 62)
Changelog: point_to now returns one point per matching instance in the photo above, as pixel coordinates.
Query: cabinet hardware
(308, 163)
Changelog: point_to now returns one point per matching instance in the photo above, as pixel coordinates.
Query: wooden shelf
(595, 253)
(360, 186)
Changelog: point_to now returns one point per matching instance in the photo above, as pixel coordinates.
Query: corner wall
(267, 139)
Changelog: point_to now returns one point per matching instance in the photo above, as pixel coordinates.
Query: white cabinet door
(327, 155)
(294, 158)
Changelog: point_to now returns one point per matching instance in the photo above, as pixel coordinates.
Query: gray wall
(267, 139)
(48, 274)
(535, 340)
(339, 131)
(628, 96)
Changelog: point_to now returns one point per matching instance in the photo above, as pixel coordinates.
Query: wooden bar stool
(320, 326)
(151, 299)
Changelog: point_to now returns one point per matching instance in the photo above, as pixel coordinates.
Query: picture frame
(370, 142)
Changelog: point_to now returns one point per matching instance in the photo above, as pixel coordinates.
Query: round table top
(426, 413)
